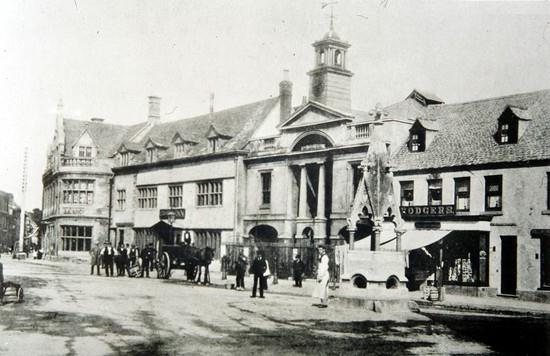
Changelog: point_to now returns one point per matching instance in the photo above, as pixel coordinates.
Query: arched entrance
(312, 141)
(263, 233)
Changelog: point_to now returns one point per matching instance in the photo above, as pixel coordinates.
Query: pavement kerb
(482, 309)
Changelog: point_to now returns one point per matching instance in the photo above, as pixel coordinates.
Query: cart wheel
(20, 295)
(163, 266)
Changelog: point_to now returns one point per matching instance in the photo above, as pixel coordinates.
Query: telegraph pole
(23, 196)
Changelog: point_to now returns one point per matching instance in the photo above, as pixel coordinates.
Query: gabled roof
(520, 113)
(466, 134)
(331, 114)
(151, 143)
(236, 125)
(129, 147)
(430, 125)
(212, 133)
(179, 137)
(425, 97)
(105, 136)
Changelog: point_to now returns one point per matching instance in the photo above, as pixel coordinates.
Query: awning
(414, 239)
(166, 224)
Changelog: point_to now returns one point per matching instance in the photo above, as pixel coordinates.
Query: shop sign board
(427, 211)
(179, 213)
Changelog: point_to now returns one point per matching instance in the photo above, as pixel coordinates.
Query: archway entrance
(263, 233)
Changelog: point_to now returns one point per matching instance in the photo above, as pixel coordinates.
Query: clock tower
(330, 80)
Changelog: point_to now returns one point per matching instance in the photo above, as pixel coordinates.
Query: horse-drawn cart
(9, 290)
(185, 257)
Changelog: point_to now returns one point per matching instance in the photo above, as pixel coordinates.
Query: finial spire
(332, 17)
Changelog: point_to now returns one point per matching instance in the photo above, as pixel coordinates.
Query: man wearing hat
(298, 270)
(258, 268)
(108, 254)
(148, 257)
(321, 288)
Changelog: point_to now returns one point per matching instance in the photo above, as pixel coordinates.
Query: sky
(103, 58)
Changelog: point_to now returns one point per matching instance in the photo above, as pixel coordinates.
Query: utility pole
(23, 198)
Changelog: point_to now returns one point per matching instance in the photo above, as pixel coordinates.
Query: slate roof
(107, 137)
(466, 134)
(236, 124)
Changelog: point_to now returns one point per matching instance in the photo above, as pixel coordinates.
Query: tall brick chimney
(154, 110)
(285, 96)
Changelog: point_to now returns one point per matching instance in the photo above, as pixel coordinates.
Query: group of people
(127, 259)
(261, 272)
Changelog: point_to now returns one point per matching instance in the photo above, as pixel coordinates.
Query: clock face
(318, 86)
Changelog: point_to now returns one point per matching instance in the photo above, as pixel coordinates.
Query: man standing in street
(108, 255)
(147, 256)
(240, 268)
(298, 271)
(95, 259)
(321, 288)
(133, 255)
(258, 268)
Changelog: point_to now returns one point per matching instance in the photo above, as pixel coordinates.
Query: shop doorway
(508, 265)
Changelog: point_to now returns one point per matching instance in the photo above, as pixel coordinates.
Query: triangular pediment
(178, 138)
(213, 133)
(152, 144)
(85, 139)
(315, 114)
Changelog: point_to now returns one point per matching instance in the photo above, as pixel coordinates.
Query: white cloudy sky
(105, 57)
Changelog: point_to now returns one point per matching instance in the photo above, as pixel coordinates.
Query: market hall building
(472, 184)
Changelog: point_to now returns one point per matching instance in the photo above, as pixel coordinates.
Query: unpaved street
(68, 312)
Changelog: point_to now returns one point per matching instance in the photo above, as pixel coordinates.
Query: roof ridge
(96, 123)
(493, 98)
(218, 112)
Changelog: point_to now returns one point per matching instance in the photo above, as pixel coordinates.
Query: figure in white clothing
(321, 288)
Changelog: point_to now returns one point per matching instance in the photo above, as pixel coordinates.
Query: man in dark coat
(108, 255)
(240, 268)
(298, 270)
(133, 255)
(95, 258)
(147, 256)
(258, 268)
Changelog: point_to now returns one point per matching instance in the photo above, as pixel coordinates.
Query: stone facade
(10, 215)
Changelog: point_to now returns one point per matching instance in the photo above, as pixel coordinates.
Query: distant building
(10, 215)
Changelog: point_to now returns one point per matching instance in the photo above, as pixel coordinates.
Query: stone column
(321, 192)
(290, 212)
(351, 231)
(303, 193)
(377, 229)
(398, 234)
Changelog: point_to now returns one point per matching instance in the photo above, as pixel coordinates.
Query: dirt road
(68, 312)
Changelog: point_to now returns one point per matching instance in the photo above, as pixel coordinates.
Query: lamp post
(171, 219)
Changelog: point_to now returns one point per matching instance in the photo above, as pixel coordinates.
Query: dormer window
(512, 123)
(507, 132)
(151, 155)
(417, 142)
(85, 151)
(213, 142)
(124, 158)
(179, 149)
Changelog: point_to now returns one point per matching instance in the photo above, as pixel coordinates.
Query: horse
(204, 258)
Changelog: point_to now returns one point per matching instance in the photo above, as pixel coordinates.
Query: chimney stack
(285, 96)
(154, 110)
(211, 103)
